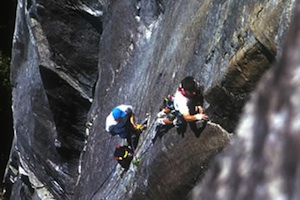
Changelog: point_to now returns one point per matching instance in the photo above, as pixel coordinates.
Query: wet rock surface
(74, 61)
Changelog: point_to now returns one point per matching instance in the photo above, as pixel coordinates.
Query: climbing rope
(101, 185)
(115, 166)
(147, 149)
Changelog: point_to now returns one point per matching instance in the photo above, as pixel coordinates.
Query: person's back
(121, 122)
(118, 121)
(181, 102)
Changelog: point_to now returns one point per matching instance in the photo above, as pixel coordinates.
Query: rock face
(74, 61)
(263, 162)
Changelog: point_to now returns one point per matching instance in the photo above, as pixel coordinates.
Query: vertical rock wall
(54, 67)
(74, 61)
(222, 44)
(263, 162)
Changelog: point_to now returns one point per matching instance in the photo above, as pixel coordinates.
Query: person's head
(118, 114)
(188, 86)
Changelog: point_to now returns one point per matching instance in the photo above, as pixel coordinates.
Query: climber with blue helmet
(121, 122)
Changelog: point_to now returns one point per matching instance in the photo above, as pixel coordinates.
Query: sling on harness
(124, 156)
(168, 111)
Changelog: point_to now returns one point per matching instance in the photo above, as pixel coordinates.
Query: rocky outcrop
(263, 161)
(74, 61)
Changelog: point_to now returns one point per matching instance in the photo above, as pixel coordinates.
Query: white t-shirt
(180, 103)
(110, 120)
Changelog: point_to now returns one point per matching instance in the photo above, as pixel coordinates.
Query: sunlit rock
(263, 161)
(74, 61)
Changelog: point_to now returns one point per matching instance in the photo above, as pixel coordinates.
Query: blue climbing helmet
(118, 113)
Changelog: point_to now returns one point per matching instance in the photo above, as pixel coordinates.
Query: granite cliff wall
(263, 161)
(73, 61)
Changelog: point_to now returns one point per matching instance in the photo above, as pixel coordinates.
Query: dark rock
(74, 61)
(53, 72)
(263, 161)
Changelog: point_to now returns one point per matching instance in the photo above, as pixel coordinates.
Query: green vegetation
(136, 161)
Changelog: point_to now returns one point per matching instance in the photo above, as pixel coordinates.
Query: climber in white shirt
(188, 101)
